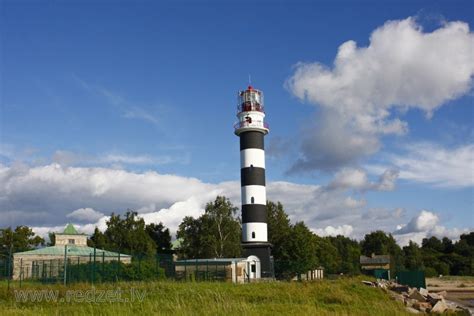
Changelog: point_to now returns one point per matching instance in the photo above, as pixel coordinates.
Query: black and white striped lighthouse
(251, 129)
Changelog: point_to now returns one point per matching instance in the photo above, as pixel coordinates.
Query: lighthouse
(251, 129)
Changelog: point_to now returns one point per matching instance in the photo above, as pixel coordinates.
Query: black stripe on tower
(251, 140)
(252, 176)
(254, 213)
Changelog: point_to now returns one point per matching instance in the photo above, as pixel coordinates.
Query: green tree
(279, 230)
(52, 239)
(327, 255)
(379, 243)
(348, 254)
(464, 255)
(448, 246)
(128, 235)
(161, 236)
(98, 240)
(301, 250)
(215, 234)
(432, 243)
(413, 256)
(279, 227)
(189, 235)
(469, 238)
(21, 239)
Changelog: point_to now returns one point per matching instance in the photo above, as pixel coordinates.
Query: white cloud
(350, 178)
(387, 180)
(85, 214)
(42, 197)
(136, 112)
(357, 179)
(425, 225)
(345, 230)
(433, 164)
(425, 221)
(402, 67)
(68, 158)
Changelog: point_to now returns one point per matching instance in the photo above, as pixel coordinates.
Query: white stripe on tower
(252, 156)
(257, 192)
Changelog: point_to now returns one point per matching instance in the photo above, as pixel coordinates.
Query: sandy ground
(459, 289)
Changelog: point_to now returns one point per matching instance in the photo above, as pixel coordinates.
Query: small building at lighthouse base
(235, 270)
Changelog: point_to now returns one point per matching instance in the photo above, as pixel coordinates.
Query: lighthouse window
(252, 200)
(253, 234)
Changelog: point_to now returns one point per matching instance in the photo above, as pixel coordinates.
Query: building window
(253, 268)
(253, 234)
(71, 241)
(252, 200)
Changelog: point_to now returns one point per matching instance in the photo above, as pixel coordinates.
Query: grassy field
(328, 297)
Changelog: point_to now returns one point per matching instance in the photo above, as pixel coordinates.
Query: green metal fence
(94, 269)
(207, 270)
(413, 278)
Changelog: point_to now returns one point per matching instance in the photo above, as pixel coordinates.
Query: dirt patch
(459, 289)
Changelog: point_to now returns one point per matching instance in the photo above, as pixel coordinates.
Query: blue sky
(151, 86)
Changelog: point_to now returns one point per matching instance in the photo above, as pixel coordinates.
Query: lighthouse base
(262, 250)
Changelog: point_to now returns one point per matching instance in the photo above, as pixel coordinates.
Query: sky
(113, 105)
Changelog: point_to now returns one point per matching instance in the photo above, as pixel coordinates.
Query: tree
(448, 246)
(279, 230)
(98, 240)
(348, 254)
(327, 255)
(215, 234)
(432, 243)
(413, 256)
(464, 255)
(221, 228)
(21, 239)
(128, 235)
(52, 239)
(380, 243)
(301, 250)
(161, 236)
(469, 238)
(189, 234)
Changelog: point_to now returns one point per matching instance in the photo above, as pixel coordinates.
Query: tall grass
(336, 297)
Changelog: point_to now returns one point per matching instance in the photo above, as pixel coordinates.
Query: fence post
(235, 271)
(118, 277)
(65, 264)
(90, 267)
(196, 272)
(185, 270)
(93, 266)
(9, 266)
(139, 267)
(103, 266)
(21, 270)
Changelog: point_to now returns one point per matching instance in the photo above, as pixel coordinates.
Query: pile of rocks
(418, 301)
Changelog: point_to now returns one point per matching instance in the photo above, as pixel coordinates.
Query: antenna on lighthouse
(250, 80)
